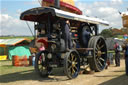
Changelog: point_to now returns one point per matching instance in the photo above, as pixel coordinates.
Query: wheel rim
(39, 67)
(100, 52)
(72, 65)
(98, 61)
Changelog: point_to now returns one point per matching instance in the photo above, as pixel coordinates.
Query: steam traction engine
(85, 50)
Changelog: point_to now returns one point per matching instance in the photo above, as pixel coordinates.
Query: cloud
(117, 1)
(107, 10)
(33, 2)
(3, 10)
(75, 0)
(13, 26)
(18, 12)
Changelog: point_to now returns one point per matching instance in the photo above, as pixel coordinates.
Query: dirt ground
(112, 76)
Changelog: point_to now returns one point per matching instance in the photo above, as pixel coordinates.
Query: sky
(10, 10)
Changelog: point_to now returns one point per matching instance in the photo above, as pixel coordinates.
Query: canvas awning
(7, 42)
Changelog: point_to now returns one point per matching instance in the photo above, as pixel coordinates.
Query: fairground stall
(10, 47)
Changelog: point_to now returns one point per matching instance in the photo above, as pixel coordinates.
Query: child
(42, 48)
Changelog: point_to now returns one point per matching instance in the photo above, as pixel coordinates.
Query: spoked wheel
(98, 61)
(72, 64)
(40, 65)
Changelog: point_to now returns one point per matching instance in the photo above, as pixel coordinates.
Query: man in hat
(66, 34)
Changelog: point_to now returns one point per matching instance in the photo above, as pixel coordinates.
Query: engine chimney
(57, 4)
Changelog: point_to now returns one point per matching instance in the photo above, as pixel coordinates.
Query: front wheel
(72, 64)
(40, 64)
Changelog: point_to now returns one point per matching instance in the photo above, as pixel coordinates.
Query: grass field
(30, 37)
(9, 73)
(120, 36)
(6, 67)
(9, 37)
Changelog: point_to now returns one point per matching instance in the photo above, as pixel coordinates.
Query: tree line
(114, 32)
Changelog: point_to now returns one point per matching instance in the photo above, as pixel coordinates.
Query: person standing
(126, 58)
(66, 34)
(117, 55)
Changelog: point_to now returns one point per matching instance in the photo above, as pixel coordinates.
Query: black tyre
(40, 65)
(83, 39)
(98, 61)
(72, 64)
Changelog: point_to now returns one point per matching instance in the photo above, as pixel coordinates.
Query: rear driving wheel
(98, 61)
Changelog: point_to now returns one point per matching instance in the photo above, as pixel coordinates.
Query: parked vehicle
(47, 23)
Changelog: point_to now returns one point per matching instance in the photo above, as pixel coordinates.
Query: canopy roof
(5, 42)
(40, 13)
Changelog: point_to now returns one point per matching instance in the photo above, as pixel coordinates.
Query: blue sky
(12, 6)
(104, 9)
